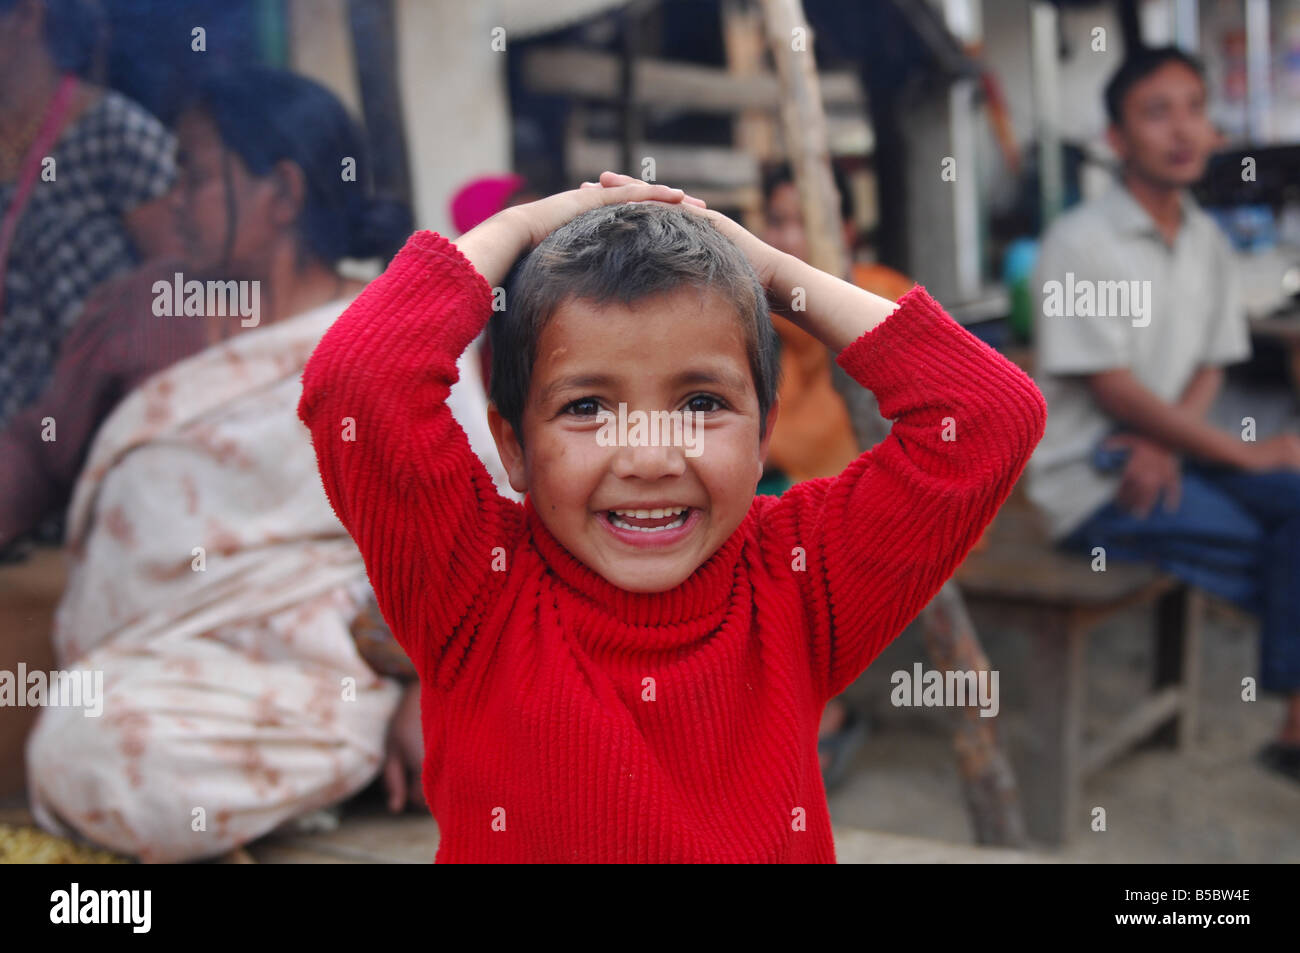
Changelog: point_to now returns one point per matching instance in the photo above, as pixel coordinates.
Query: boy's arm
(397, 468)
(878, 541)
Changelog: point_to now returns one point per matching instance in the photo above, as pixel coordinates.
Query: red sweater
(538, 743)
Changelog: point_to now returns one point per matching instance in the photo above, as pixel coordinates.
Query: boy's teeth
(676, 514)
(655, 514)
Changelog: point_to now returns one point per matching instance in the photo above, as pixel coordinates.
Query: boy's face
(1165, 136)
(682, 351)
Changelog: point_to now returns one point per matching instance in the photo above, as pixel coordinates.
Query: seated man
(1139, 311)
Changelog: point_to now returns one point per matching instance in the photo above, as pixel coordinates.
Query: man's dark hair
(1136, 67)
(625, 253)
(779, 174)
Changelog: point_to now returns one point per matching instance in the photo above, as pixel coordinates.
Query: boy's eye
(586, 407)
(708, 398)
(590, 406)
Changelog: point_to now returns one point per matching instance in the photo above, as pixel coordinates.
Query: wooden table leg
(1293, 365)
(1178, 660)
(1053, 775)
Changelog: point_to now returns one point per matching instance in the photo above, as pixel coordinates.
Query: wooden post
(630, 131)
(374, 40)
(755, 129)
(1178, 660)
(803, 121)
(988, 781)
(1056, 710)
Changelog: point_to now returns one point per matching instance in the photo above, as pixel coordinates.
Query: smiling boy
(632, 664)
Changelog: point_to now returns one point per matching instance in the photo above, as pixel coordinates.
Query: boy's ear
(509, 449)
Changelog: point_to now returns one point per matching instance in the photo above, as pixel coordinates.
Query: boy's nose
(649, 462)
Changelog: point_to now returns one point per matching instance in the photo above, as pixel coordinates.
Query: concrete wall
(453, 89)
(320, 47)
(1083, 75)
(454, 98)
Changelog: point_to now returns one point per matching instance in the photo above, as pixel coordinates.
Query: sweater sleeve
(871, 547)
(397, 467)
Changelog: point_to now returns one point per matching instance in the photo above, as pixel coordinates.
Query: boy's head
(648, 306)
(1159, 127)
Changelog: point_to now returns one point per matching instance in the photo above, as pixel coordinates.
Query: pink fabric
(482, 198)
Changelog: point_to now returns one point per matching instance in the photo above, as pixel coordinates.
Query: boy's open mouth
(649, 521)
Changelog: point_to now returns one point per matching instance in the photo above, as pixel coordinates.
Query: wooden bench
(1059, 599)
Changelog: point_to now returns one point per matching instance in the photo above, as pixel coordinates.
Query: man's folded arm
(1181, 426)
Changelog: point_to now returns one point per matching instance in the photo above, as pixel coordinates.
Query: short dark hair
(780, 173)
(625, 253)
(1136, 67)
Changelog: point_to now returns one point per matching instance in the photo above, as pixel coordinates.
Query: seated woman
(210, 581)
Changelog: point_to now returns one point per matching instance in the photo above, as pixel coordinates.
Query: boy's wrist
(792, 282)
(833, 310)
(494, 245)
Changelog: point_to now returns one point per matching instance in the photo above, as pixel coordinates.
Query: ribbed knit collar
(614, 617)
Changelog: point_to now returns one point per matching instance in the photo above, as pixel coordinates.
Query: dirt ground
(1216, 804)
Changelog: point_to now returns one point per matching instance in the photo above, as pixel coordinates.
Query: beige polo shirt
(1111, 293)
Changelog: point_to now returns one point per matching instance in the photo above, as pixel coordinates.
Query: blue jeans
(1234, 534)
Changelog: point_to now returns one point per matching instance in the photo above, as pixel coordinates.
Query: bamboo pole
(803, 121)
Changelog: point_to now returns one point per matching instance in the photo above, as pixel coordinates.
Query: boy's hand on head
(611, 180)
(765, 260)
(493, 246)
(832, 310)
(546, 215)
(762, 257)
